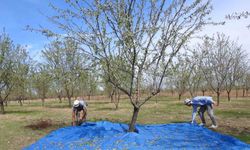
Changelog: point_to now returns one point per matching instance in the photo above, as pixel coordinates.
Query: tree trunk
(69, 99)
(172, 92)
(20, 102)
(60, 98)
(116, 106)
(117, 96)
(191, 93)
(6, 103)
(156, 100)
(243, 92)
(236, 92)
(203, 92)
(69, 96)
(179, 97)
(228, 96)
(1, 107)
(218, 98)
(133, 120)
(89, 96)
(111, 99)
(112, 96)
(42, 101)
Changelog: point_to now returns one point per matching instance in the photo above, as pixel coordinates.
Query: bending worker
(79, 111)
(206, 104)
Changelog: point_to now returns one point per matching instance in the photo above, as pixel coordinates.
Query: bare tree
(196, 79)
(12, 58)
(53, 55)
(90, 83)
(66, 64)
(7, 50)
(113, 93)
(41, 81)
(246, 83)
(144, 34)
(181, 74)
(237, 69)
(20, 75)
(216, 61)
(238, 16)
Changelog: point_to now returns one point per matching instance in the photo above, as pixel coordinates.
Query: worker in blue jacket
(205, 103)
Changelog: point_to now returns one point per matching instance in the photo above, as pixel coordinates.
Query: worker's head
(187, 102)
(76, 103)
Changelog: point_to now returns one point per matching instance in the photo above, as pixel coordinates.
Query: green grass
(243, 136)
(235, 113)
(233, 117)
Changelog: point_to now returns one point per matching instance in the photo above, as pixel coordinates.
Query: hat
(187, 101)
(76, 103)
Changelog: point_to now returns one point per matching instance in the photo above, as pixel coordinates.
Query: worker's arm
(73, 118)
(194, 113)
(84, 114)
(213, 103)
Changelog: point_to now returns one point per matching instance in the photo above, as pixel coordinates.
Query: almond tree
(144, 34)
(237, 69)
(41, 81)
(246, 85)
(216, 61)
(66, 65)
(21, 75)
(113, 93)
(12, 58)
(90, 83)
(195, 74)
(87, 82)
(7, 49)
(181, 73)
(238, 16)
(196, 81)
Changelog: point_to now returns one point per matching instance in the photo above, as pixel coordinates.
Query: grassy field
(23, 125)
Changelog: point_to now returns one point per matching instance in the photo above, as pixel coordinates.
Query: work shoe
(213, 126)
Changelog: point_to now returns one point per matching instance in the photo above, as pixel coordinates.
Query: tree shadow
(58, 106)
(113, 120)
(180, 121)
(20, 112)
(44, 124)
(105, 109)
(101, 103)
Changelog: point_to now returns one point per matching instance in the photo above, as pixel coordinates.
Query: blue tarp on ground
(108, 136)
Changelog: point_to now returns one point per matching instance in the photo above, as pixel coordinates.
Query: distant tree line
(216, 64)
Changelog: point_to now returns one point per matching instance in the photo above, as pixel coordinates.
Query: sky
(236, 29)
(15, 15)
